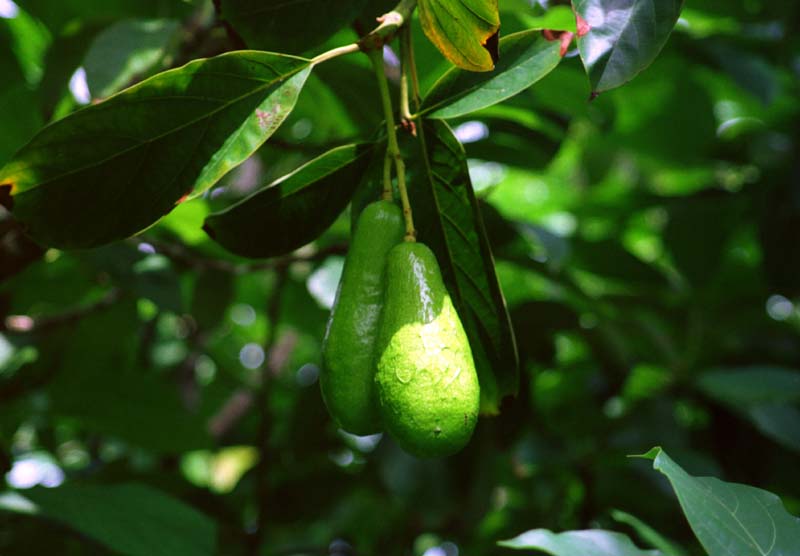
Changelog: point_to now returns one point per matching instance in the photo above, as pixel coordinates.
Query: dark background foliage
(159, 394)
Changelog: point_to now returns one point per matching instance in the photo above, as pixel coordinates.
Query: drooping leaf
(294, 210)
(762, 395)
(131, 519)
(447, 219)
(731, 518)
(465, 31)
(114, 168)
(125, 51)
(591, 542)
(292, 27)
(624, 37)
(526, 58)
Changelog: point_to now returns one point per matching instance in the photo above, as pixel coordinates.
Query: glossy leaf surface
(114, 168)
(525, 58)
(623, 38)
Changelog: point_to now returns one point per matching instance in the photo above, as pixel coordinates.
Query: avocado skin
(427, 384)
(347, 380)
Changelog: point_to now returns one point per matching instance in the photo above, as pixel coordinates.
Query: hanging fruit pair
(395, 354)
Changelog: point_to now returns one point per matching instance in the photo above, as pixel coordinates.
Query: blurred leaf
(730, 518)
(292, 27)
(448, 221)
(751, 385)
(126, 52)
(623, 38)
(110, 170)
(294, 210)
(591, 542)
(762, 395)
(698, 255)
(29, 41)
(19, 101)
(101, 386)
(526, 58)
(465, 31)
(647, 533)
(131, 519)
(610, 259)
(212, 294)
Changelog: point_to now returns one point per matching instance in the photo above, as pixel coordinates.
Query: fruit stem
(392, 147)
(408, 72)
(387, 194)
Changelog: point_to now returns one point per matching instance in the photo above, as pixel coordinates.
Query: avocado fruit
(427, 385)
(347, 379)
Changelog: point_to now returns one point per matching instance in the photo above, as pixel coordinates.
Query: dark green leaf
(292, 27)
(623, 38)
(294, 210)
(762, 395)
(592, 542)
(731, 518)
(131, 519)
(212, 294)
(113, 169)
(465, 31)
(525, 58)
(448, 221)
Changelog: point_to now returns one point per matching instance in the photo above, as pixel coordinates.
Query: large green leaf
(623, 38)
(294, 210)
(114, 168)
(591, 542)
(763, 396)
(447, 219)
(289, 26)
(731, 518)
(131, 519)
(526, 58)
(465, 31)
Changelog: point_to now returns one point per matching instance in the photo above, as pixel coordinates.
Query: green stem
(375, 39)
(392, 147)
(387, 194)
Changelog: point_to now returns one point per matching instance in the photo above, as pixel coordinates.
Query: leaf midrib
(147, 142)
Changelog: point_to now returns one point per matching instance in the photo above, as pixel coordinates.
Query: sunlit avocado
(348, 376)
(427, 384)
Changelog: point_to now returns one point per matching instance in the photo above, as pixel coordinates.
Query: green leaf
(114, 168)
(131, 519)
(464, 31)
(591, 542)
(731, 518)
(292, 27)
(623, 37)
(647, 533)
(745, 386)
(126, 51)
(447, 219)
(526, 58)
(761, 395)
(294, 210)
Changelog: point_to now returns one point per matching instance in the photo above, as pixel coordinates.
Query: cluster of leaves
(637, 239)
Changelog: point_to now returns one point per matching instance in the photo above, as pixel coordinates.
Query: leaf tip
(492, 46)
(651, 454)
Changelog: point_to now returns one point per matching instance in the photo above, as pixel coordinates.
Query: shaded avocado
(427, 384)
(347, 379)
